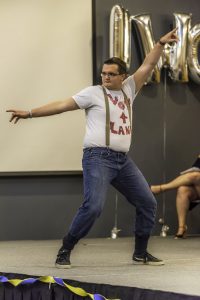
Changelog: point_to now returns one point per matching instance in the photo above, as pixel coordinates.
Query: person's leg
(97, 174)
(185, 194)
(182, 180)
(197, 189)
(132, 184)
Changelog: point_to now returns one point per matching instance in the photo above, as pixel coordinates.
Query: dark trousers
(101, 167)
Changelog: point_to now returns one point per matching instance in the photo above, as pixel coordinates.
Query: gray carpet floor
(109, 261)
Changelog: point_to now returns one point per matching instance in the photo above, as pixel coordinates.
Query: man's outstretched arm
(49, 109)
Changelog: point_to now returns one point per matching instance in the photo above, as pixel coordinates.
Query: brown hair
(117, 61)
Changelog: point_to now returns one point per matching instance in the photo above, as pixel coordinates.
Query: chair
(194, 203)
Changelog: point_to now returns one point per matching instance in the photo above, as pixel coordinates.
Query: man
(108, 137)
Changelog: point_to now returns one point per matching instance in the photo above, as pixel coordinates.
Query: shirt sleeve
(84, 98)
(129, 83)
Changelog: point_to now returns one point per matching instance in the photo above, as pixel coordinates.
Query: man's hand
(18, 114)
(170, 37)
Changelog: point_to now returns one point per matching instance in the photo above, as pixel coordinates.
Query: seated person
(188, 190)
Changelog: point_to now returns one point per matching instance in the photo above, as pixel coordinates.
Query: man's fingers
(173, 34)
(18, 114)
(10, 110)
(13, 114)
(12, 117)
(16, 120)
(175, 29)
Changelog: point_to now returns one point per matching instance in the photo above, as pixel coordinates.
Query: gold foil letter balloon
(178, 52)
(193, 48)
(120, 34)
(145, 35)
(177, 57)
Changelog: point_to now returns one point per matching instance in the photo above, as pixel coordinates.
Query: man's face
(111, 78)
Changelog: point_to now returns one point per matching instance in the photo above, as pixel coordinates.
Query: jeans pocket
(105, 154)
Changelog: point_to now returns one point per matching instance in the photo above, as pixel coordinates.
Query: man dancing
(107, 141)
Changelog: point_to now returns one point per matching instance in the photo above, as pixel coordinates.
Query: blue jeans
(101, 167)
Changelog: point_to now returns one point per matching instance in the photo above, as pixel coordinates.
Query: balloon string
(164, 138)
(116, 209)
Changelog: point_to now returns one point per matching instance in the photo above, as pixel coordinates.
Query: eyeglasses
(109, 74)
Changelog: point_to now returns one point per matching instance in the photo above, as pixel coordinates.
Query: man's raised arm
(143, 72)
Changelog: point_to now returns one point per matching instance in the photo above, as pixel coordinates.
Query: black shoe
(147, 259)
(183, 233)
(63, 259)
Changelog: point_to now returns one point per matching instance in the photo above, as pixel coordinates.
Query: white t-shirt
(92, 100)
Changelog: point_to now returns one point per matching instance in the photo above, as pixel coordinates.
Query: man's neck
(114, 90)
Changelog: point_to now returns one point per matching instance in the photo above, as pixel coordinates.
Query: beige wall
(45, 55)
